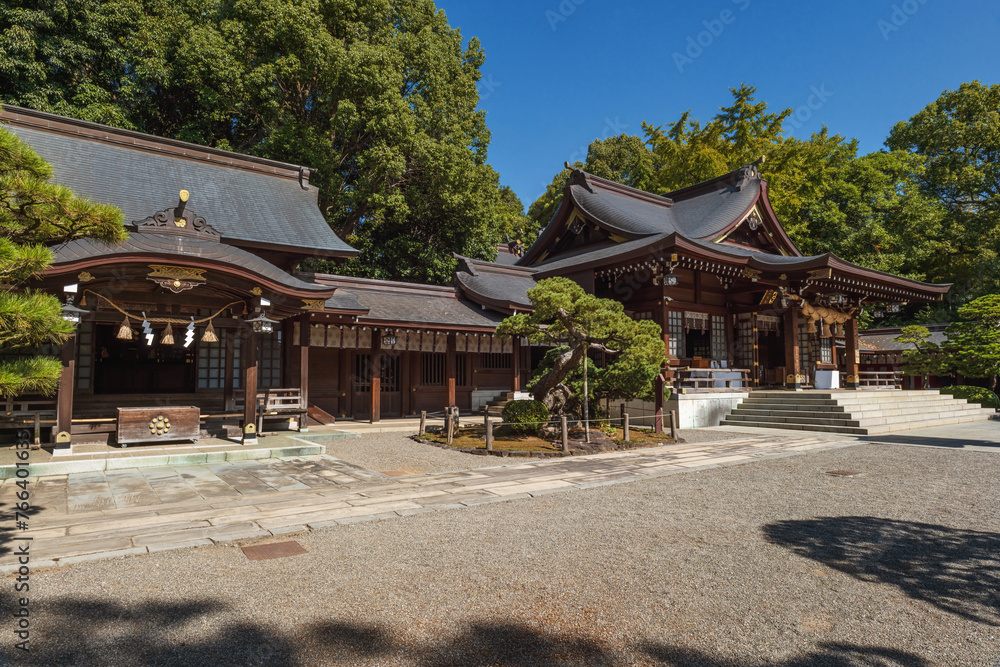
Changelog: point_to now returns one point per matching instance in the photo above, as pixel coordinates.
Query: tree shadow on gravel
(955, 570)
(827, 655)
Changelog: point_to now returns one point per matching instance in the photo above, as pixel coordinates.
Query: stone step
(796, 427)
(805, 420)
(896, 428)
(839, 412)
(823, 404)
(842, 393)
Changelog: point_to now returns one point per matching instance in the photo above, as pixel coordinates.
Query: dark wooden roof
(252, 202)
(694, 222)
(143, 248)
(388, 303)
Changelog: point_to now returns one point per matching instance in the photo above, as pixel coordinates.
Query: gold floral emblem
(159, 425)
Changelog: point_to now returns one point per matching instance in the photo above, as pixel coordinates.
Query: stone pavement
(87, 516)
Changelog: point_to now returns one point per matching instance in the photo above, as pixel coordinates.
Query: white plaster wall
(701, 410)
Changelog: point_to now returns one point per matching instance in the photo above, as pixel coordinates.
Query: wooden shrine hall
(203, 309)
(712, 265)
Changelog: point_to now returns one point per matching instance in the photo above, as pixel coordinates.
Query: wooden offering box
(163, 424)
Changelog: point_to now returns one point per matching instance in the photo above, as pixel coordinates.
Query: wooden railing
(698, 380)
(876, 379)
(28, 414)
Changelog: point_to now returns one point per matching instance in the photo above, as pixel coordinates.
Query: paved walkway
(89, 516)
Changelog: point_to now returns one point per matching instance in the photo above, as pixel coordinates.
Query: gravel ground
(772, 563)
(397, 454)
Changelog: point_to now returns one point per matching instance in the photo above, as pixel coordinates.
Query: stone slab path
(87, 516)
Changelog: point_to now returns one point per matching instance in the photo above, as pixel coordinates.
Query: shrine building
(204, 305)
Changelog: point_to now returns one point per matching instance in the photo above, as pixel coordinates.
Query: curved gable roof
(251, 201)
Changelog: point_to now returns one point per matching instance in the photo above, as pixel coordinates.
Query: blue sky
(561, 73)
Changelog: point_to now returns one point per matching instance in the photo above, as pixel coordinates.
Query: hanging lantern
(168, 335)
(209, 335)
(125, 330)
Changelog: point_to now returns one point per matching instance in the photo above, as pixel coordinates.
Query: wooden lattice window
(433, 369)
(494, 361)
(719, 350)
(675, 327)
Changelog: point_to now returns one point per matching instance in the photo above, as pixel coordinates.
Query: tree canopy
(576, 323)
(35, 213)
(379, 96)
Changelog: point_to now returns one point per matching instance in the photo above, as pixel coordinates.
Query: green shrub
(981, 395)
(520, 415)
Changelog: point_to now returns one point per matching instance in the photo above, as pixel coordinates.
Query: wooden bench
(281, 403)
(25, 415)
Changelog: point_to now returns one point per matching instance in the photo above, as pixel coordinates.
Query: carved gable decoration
(752, 232)
(178, 221)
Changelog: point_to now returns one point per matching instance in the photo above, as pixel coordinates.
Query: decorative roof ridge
(472, 264)
(141, 141)
(588, 180)
(374, 285)
(738, 178)
(884, 331)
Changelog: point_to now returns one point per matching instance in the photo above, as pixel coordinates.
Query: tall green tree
(35, 213)
(567, 318)
(974, 340)
(958, 135)
(381, 97)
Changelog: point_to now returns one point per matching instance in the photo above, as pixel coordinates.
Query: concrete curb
(102, 465)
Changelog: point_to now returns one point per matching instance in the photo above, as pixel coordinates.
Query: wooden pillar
(793, 365)
(288, 345)
(228, 388)
(515, 363)
(305, 340)
(659, 384)
(64, 401)
(450, 366)
(406, 391)
(376, 374)
(345, 383)
(852, 355)
(250, 387)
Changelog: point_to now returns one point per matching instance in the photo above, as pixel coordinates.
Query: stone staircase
(861, 412)
(495, 407)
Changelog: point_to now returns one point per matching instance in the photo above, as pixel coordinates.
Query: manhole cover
(273, 550)
(843, 473)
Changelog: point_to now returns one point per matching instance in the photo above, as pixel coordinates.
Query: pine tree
(34, 214)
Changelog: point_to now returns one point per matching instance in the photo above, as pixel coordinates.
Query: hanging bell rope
(163, 320)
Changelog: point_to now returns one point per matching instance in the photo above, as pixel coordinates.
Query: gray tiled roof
(881, 340)
(243, 205)
(446, 309)
(170, 247)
